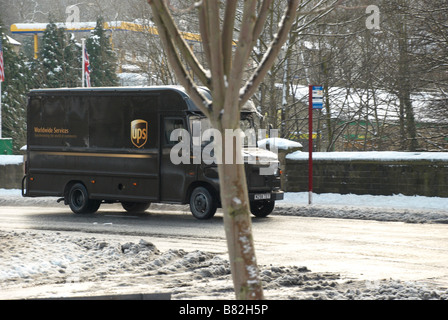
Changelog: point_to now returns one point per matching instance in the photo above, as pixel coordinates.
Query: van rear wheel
(202, 204)
(79, 202)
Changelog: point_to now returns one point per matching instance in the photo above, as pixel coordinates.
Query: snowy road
(356, 249)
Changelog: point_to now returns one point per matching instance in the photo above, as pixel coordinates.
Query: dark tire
(79, 202)
(135, 207)
(262, 208)
(202, 204)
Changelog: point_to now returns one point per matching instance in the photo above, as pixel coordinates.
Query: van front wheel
(262, 208)
(135, 207)
(202, 204)
(79, 202)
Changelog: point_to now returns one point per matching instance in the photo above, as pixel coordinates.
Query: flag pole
(83, 61)
(0, 109)
(310, 145)
(2, 78)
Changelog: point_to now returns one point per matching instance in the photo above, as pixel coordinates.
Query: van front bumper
(269, 196)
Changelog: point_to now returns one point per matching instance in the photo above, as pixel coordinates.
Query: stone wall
(423, 176)
(11, 176)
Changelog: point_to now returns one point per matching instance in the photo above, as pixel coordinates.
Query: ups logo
(139, 133)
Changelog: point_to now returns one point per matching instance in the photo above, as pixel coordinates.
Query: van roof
(52, 91)
(248, 107)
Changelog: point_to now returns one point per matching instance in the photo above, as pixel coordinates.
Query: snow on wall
(10, 160)
(279, 143)
(298, 155)
(371, 156)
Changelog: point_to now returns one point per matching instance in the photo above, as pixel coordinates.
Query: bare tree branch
(216, 54)
(185, 79)
(261, 20)
(179, 41)
(242, 52)
(205, 32)
(227, 34)
(269, 58)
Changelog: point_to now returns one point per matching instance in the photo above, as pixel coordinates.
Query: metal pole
(284, 91)
(83, 61)
(36, 46)
(0, 109)
(310, 146)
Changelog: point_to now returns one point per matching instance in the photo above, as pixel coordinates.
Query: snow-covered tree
(60, 58)
(103, 60)
(18, 81)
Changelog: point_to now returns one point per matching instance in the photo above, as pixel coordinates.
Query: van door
(174, 177)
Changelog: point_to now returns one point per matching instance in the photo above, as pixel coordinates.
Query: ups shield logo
(139, 133)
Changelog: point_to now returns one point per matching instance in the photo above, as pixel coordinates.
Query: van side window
(170, 124)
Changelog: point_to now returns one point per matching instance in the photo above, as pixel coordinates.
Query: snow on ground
(396, 201)
(410, 209)
(45, 264)
(38, 264)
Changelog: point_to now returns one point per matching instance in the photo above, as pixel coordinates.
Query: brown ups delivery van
(94, 145)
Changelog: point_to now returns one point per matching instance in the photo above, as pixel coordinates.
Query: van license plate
(262, 196)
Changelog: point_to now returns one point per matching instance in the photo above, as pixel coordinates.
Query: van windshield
(249, 124)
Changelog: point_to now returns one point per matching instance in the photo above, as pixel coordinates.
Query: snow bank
(399, 201)
(409, 209)
(39, 264)
(391, 202)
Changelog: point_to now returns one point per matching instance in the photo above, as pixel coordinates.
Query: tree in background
(359, 66)
(18, 80)
(102, 58)
(60, 58)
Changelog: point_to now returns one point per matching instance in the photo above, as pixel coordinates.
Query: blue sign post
(316, 101)
(317, 97)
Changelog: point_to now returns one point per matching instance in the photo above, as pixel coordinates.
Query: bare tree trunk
(404, 70)
(237, 221)
(238, 228)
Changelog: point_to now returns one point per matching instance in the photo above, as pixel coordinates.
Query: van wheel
(135, 207)
(262, 209)
(79, 202)
(202, 204)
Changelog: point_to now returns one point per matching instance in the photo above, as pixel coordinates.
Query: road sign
(316, 101)
(318, 97)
